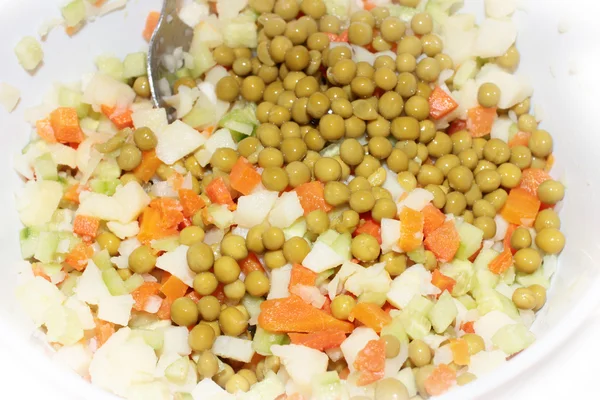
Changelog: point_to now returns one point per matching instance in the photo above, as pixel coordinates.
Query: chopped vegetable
(521, 207)
(29, 53)
(323, 340)
(312, 197)
(411, 229)
(244, 177)
(441, 103)
(65, 125)
(481, 120)
(443, 242)
(292, 314)
(151, 23)
(441, 379)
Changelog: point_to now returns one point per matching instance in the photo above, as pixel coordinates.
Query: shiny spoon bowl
(171, 33)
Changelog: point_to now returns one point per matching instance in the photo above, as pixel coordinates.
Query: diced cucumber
(395, 328)
(241, 122)
(134, 65)
(29, 239)
(74, 13)
(417, 326)
(443, 313)
(70, 238)
(323, 276)
(113, 282)
(509, 275)
(468, 302)
(483, 276)
(110, 66)
(105, 186)
(342, 244)
(203, 59)
(153, 338)
(298, 228)
(513, 338)
(72, 98)
(328, 237)
(183, 73)
(470, 240)
(462, 272)
(177, 371)
(537, 278)
(133, 282)
(200, 117)
(68, 285)
(252, 305)
(45, 168)
(89, 124)
(373, 297)
(183, 396)
(418, 255)
(419, 305)
(107, 169)
(46, 248)
(327, 386)
(263, 340)
(489, 299)
(165, 244)
(102, 260)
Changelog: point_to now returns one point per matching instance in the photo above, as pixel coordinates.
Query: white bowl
(562, 68)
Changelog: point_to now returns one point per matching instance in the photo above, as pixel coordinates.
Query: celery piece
(46, 248)
(263, 340)
(133, 282)
(74, 13)
(29, 53)
(113, 282)
(134, 65)
(45, 168)
(29, 239)
(102, 260)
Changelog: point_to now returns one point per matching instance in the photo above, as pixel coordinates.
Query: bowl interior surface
(561, 67)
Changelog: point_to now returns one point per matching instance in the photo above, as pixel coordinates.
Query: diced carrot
(45, 131)
(71, 30)
(520, 139)
(147, 168)
(480, 120)
(460, 351)
(292, 314)
(327, 339)
(250, 263)
(442, 281)
(370, 361)
(191, 202)
(79, 256)
(344, 373)
(367, 5)
(456, 126)
(302, 276)
(468, 327)
(501, 263)
(441, 379)
(443, 242)
(521, 207)
(219, 293)
(151, 23)
(173, 288)
(73, 192)
(121, 119)
(387, 307)
(532, 178)
(65, 124)
(327, 305)
(244, 177)
(143, 293)
(411, 229)
(371, 315)
(433, 218)
(103, 331)
(312, 197)
(370, 227)
(441, 103)
(164, 312)
(176, 181)
(194, 296)
(86, 226)
(99, 3)
(342, 37)
(38, 271)
(506, 242)
(160, 219)
(218, 193)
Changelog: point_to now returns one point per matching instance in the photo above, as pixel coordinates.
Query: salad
(354, 201)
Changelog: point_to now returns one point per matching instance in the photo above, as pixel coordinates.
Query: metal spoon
(170, 33)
